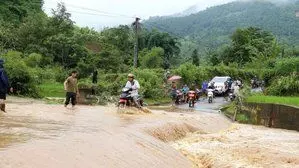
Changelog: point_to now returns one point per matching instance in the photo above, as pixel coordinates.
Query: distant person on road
(4, 86)
(185, 89)
(236, 89)
(94, 81)
(95, 77)
(173, 92)
(211, 85)
(230, 83)
(71, 88)
(204, 87)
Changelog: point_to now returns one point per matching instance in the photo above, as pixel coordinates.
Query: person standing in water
(71, 88)
(4, 86)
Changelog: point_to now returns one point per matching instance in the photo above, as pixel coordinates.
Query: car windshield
(219, 79)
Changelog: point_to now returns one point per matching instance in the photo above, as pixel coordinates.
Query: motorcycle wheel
(121, 105)
(141, 103)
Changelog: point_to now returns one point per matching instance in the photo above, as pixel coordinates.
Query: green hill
(213, 26)
(15, 11)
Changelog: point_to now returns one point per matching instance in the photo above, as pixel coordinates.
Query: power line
(94, 10)
(89, 13)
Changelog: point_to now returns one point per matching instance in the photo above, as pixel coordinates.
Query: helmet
(131, 75)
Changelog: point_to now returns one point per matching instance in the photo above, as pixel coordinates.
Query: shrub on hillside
(33, 60)
(19, 74)
(285, 86)
(287, 66)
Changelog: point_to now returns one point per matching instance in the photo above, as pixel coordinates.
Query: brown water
(36, 135)
(40, 135)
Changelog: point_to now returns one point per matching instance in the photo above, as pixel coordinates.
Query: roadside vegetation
(40, 51)
(293, 101)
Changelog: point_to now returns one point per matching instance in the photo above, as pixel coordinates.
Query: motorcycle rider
(134, 84)
(236, 89)
(254, 82)
(185, 91)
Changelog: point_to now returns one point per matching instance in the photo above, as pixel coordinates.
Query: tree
(195, 58)
(165, 41)
(14, 11)
(249, 44)
(153, 58)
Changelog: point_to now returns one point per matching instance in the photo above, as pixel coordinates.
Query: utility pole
(136, 26)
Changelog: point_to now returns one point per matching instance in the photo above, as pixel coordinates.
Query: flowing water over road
(34, 135)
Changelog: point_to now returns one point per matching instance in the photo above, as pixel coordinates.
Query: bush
(20, 74)
(33, 60)
(151, 83)
(61, 74)
(287, 66)
(285, 86)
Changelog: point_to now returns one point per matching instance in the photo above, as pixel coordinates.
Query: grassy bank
(293, 101)
(51, 90)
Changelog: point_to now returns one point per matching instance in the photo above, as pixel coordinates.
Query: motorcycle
(127, 100)
(231, 96)
(210, 95)
(179, 97)
(254, 84)
(199, 93)
(191, 98)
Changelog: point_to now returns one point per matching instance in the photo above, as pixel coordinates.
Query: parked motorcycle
(191, 98)
(127, 100)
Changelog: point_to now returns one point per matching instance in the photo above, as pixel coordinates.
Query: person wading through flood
(71, 88)
(4, 86)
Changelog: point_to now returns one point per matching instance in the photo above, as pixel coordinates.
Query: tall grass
(51, 90)
(294, 101)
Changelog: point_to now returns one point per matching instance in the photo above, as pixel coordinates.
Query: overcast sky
(131, 8)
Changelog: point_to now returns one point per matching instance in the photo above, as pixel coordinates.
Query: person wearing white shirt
(134, 85)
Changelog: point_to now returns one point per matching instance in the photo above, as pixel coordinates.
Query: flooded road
(40, 135)
(203, 106)
(34, 134)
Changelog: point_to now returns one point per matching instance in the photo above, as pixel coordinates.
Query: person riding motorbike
(211, 87)
(185, 90)
(134, 85)
(173, 92)
(254, 82)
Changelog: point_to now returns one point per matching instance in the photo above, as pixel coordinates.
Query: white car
(219, 84)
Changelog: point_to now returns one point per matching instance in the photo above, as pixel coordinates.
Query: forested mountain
(213, 26)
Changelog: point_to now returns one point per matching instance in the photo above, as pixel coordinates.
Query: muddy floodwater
(38, 135)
